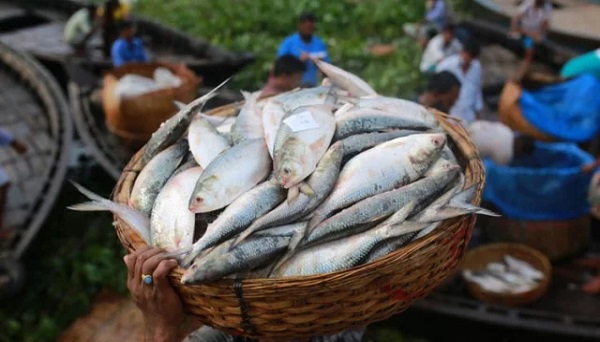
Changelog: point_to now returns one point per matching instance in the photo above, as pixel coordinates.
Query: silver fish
(382, 168)
(250, 254)
(205, 141)
(188, 164)
(238, 216)
(172, 129)
(381, 206)
(224, 179)
(248, 124)
(155, 175)
(172, 224)
(290, 101)
(303, 137)
(367, 120)
(389, 246)
(345, 80)
(273, 112)
(336, 255)
(132, 217)
(322, 180)
(358, 143)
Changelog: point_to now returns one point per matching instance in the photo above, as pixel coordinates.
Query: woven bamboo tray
(325, 304)
(480, 257)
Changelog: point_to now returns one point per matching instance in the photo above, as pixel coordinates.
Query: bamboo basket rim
(256, 289)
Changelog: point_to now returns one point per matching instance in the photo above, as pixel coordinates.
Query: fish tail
(180, 105)
(88, 193)
(295, 242)
(465, 196)
(293, 194)
(306, 189)
(89, 206)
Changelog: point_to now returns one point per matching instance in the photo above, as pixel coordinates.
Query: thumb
(161, 272)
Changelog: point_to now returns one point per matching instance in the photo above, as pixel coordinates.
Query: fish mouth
(438, 140)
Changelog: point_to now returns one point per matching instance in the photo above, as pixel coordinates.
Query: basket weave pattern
(325, 304)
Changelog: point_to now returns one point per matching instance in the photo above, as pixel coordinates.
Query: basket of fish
(313, 211)
(509, 274)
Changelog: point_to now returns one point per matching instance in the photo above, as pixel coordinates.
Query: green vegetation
(73, 257)
(348, 27)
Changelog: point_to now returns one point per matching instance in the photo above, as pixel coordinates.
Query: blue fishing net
(547, 185)
(569, 111)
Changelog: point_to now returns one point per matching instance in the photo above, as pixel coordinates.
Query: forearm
(170, 332)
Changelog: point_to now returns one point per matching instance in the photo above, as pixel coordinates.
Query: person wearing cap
(127, 48)
(80, 27)
(306, 46)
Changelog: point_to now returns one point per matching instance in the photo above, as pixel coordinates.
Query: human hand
(587, 168)
(19, 146)
(161, 306)
(304, 56)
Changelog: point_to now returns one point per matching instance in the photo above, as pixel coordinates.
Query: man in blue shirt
(305, 46)
(128, 48)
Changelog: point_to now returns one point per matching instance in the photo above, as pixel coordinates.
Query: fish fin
(294, 244)
(178, 254)
(293, 193)
(88, 193)
(306, 189)
(89, 206)
(465, 196)
(180, 105)
(242, 236)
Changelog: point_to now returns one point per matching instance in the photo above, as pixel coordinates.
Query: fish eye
(287, 171)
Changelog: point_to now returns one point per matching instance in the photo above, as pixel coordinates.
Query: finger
(161, 272)
(141, 259)
(130, 259)
(151, 264)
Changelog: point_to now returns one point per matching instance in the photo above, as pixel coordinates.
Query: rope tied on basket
(248, 327)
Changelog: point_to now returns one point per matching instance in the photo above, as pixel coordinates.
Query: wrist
(162, 331)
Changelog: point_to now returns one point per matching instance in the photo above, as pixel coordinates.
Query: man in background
(128, 48)
(466, 67)
(80, 27)
(530, 25)
(493, 140)
(439, 47)
(285, 75)
(112, 14)
(432, 23)
(306, 46)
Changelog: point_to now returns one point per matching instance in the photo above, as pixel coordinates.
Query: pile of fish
(513, 276)
(310, 181)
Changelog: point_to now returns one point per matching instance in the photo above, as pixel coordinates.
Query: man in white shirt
(530, 25)
(439, 47)
(466, 67)
(496, 141)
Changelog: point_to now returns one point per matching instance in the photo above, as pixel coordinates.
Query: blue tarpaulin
(569, 111)
(547, 185)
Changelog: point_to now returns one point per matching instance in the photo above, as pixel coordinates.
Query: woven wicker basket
(480, 257)
(134, 119)
(326, 303)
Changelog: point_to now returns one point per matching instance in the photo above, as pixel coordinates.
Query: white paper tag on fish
(301, 122)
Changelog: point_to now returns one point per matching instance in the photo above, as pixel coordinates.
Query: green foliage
(74, 256)
(348, 28)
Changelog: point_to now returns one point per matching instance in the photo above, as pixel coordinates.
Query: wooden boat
(574, 22)
(36, 26)
(35, 110)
